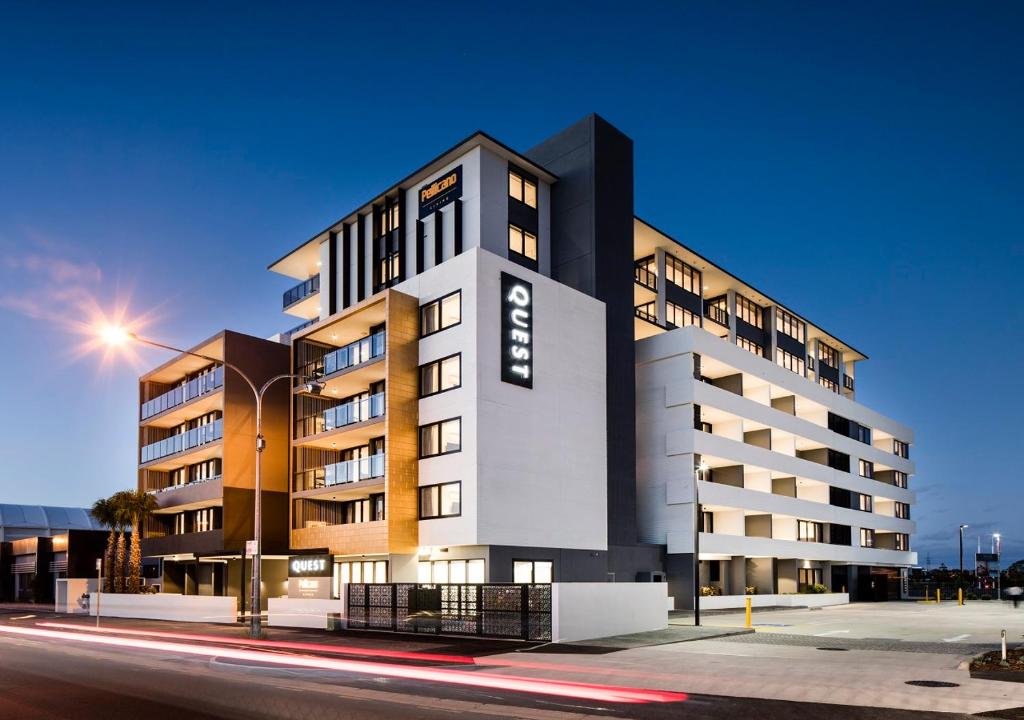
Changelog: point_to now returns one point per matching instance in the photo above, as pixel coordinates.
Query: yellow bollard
(938, 595)
(748, 623)
(960, 596)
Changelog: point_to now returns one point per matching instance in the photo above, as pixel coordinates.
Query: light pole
(962, 528)
(996, 538)
(116, 335)
(698, 471)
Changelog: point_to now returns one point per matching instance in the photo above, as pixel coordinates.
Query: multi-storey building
(197, 440)
(799, 485)
(521, 381)
(512, 358)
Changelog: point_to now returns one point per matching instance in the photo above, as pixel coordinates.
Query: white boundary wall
(728, 602)
(167, 606)
(585, 611)
(302, 612)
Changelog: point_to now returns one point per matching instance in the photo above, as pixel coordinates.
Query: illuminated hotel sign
(440, 191)
(310, 566)
(516, 331)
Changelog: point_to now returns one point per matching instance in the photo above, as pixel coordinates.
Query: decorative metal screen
(486, 610)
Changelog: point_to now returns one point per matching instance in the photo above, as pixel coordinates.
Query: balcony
(202, 385)
(341, 473)
(301, 300)
(190, 440)
(717, 314)
(342, 416)
(643, 276)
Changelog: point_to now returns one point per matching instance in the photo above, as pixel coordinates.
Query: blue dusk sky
(862, 162)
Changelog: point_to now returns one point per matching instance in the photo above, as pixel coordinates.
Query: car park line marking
(958, 638)
(830, 632)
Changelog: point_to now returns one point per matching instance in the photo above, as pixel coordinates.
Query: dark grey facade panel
(346, 266)
(332, 267)
(592, 251)
(682, 298)
(362, 232)
(579, 565)
(438, 237)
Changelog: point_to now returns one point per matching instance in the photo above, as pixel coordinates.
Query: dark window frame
(438, 363)
(523, 180)
(437, 302)
(438, 423)
(440, 515)
(522, 256)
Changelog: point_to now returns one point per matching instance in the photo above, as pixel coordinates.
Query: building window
(682, 275)
(717, 310)
(867, 538)
(441, 375)
(789, 361)
(441, 438)
(647, 312)
(677, 316)
(829, 384)
(903, 510)
(521, 189)
(901, 449)
(865, 503)
(388, 218)
(645, 272)
(522, 242)
(533, 571)
(899, 479)
(901, 542)
(808, 531)
(787, 324)
(809, 577)
(440, 501)
(867, 468)
(750, 346)
(441, 314)
(441, 572)
(357, 571)
(749, 312)
(180, 524)
(828, 355)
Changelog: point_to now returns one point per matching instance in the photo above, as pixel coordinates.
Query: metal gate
(516, 611)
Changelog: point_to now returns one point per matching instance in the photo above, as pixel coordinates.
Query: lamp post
(996, 538)
(698, 471)
(962, 528)
(115, 336)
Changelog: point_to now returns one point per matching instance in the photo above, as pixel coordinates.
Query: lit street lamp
(698, 472)
(115, 335)
(996, 547)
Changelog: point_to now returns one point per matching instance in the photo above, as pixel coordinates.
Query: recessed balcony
(196, 397)
(356, 475)
(194, 445)
(357, 421)
(303, 300)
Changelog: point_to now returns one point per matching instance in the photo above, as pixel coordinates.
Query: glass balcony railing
(348, 356)
(301, 291)
(341, 473)
(208, 382)
(201, 435)
(342, 415)
(190, 483)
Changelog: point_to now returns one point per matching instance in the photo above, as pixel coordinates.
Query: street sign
(250, 548)
(99, 564)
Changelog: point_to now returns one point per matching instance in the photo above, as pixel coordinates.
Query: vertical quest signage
(516, 331)
(441, 191)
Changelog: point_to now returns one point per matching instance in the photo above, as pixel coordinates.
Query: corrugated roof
(48, 518)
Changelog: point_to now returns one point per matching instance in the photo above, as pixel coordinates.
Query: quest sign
(310, 576)
(516, 331)
(441, 191)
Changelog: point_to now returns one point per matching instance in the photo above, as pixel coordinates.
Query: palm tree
(140, 506)
(103, 511)
(122, 502)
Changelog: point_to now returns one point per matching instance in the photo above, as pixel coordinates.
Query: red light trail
(584, 691)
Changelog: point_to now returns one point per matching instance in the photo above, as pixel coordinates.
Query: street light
(962, 528)
(698, 471)
(996, 547)
(115, 335)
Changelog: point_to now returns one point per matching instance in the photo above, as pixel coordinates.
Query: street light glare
(114, 335)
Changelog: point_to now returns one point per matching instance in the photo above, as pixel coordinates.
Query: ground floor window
(430, 572)
(533, 571)
(358, 571)
(809, 577)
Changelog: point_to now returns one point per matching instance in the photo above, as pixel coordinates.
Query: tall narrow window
(749, 312)
(901, 449)
(867, 468)
(522, 242)
(788, 324)
(867, 538)
(789, 361)
(828, 356)
(807, 531)
(682, 275)
(678, 316)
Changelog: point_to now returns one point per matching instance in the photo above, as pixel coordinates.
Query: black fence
(513, 611)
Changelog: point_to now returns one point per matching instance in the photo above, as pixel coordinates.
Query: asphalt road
(45, 678)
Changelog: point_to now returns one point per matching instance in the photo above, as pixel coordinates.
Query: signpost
(99, 587)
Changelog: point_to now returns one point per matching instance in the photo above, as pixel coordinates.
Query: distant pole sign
(516, 331)
(250, 548)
